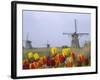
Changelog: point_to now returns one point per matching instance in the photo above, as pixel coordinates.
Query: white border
(35, 72)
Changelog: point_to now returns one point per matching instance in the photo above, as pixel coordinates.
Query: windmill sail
(75, 26)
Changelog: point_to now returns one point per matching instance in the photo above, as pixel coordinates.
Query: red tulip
(53, 63)
(48, 62)
(62, 58)
(56, 57)
(40, 62)
(25, 64)
(69, 64)
(57, 60)
(81, 57)
(36, 65)
(86, 61)
(79, 63)
(73, 55)
(32, 66)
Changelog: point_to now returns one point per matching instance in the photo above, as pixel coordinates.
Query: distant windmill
(47, 45)
(28, 43)
(75, 37)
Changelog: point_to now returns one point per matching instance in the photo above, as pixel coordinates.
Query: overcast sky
(42, 26)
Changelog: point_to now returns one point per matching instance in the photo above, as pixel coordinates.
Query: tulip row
(65, 59)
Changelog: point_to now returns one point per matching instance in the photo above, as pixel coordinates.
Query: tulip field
(41, 58)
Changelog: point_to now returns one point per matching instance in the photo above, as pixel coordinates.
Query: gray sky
(42, 26)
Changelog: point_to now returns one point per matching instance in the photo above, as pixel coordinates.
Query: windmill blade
(75, 26)
(80, 34)
(67, 33)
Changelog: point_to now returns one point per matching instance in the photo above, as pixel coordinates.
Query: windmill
(28, 43)
(75, 37)
(47, 45)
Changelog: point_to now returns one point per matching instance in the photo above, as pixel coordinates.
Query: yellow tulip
(66, 51)
(36, 56)
(30, 55)
(53, 51)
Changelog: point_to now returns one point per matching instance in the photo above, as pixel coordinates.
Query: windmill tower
(28, 43)
(75, 37)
